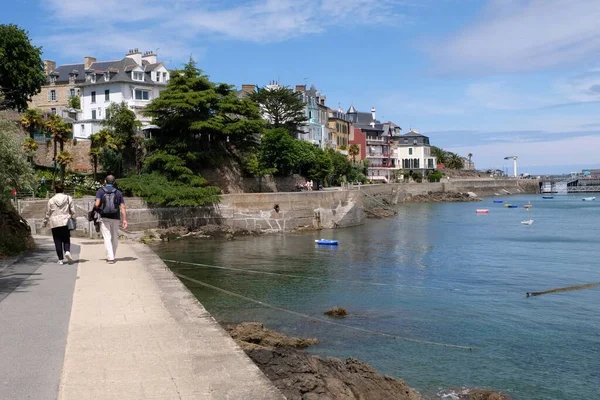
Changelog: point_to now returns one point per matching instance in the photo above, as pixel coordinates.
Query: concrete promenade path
(128, 330)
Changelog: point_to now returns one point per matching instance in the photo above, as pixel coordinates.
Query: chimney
(135, 55)
(300, 88)
(373, 113)
(248, 89)
(88, 61)
(49, 66)
(150, 57)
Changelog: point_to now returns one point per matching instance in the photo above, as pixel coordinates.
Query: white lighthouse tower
(514, 158)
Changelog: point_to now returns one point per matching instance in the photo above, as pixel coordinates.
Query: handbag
(71, 222)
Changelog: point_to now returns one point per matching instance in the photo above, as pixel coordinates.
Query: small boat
(528, 205)
(499, 201)
(512, 206)
(527, 222)
(506, 205)
(588, 199)
(326, 242)
(482, 211)
(547, 197)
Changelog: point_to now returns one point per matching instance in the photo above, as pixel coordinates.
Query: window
(93, 114)
(137, 76)
(430, 163)
(405, 141)
(93, 78)
(142, 95)
(52, 95)
(164, 76)
(82, 129)
(99, 112)
(157, 76)
(107, 113)
(93, 97)
(72, 78)
(72, 92)
(410, 151)
(53, 110)
(106, 76)
(53, 79)
(107, 95)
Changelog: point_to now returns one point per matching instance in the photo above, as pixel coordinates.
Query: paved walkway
(135, 332)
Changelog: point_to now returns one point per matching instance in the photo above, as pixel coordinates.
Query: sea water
(436, 272)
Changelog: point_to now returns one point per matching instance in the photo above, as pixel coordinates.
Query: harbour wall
(280, 212)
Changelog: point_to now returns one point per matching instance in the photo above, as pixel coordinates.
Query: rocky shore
(438, 197)
(301, 376)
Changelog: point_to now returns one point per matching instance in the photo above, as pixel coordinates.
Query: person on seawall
(59, 211)
(110, 202)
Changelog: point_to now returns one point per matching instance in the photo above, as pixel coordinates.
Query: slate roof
(64, 71)
(120, 71)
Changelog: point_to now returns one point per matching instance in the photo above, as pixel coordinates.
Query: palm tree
(32, 121)
(441, 155)
(455, 161)
(354, 150)
(60, 131)
(470, 155)
(29, 147)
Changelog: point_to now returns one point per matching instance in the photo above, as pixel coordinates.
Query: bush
(417, 176)
(157, 190)
(434, 176)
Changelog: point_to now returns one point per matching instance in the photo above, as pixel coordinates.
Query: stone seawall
(281, 212)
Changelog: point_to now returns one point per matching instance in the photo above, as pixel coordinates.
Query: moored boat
(512, 206)
(499, 201)
(326, 242)
(528, 205)
(547, 197)
(527, 222)
(588, 199)
(482, 211)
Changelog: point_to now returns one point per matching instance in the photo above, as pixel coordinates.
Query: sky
(493, 78)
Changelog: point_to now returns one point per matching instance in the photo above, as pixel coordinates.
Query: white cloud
(523, 35)
(174, 25)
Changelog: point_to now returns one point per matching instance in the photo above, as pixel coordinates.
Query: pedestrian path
(135, 332)
(35, 305)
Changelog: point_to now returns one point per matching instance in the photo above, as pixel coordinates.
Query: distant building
(358, 138)
(340, 127)
(136, 80)
(316, 130)
(61, 84)
(414, 153)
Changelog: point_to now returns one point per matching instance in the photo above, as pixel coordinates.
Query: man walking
(110, 202)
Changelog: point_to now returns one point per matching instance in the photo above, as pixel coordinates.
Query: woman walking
(60, 210)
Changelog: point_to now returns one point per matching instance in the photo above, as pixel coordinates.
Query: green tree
(29, 147)
(254, 164)
(100, 142)
(280, 151)
(74, 102)
(200, 120)
(282, 106)
(123, 127)
(353, 150)
(21, 68)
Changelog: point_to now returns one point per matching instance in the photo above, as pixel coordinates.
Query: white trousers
(110, 233)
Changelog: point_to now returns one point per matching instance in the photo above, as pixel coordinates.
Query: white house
(136, 80)
(413, 152)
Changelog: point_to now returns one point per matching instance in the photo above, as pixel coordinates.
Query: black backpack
(108, 203)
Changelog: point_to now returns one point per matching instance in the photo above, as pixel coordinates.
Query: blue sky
(488, 77)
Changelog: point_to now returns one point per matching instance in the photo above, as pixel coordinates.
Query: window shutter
(49, 98)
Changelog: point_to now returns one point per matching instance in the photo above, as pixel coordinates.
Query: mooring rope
(252, 271)
(564, 289)
(299, 314)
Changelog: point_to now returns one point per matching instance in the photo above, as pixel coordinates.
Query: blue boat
(498, 201)
(547, 197)
(326, 242)
(513, 206)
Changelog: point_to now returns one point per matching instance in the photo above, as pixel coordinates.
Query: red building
(358, 137)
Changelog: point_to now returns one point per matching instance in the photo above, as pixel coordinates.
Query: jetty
(129, 330)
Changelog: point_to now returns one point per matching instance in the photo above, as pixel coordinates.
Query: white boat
(588, 199)
(527, 222)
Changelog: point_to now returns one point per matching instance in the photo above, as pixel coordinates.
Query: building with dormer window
(136, 80)
(61, 84)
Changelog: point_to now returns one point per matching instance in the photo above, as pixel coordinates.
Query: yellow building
(339, 129)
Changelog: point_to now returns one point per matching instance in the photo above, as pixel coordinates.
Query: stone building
(340, 127)
(61, 84)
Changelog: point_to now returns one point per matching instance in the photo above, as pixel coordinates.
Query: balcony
(378, 140)
(378, 155)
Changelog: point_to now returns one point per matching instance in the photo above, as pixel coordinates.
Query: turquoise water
(436, 272)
